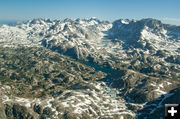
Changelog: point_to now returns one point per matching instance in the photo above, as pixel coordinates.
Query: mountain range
(88, 69)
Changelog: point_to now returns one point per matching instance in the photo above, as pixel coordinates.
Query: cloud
(171, 19)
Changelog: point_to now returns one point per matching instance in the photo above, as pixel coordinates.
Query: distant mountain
(88, 68)
(8, 22)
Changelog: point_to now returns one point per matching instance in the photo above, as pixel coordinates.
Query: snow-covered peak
(137, 34)
(125, 21)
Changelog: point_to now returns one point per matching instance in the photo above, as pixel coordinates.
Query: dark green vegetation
(37, 72)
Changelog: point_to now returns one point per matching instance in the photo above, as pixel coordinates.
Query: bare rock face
(17, 111)
(155, 108)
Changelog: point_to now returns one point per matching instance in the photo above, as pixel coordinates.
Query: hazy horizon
(12, 22)
(20, 10)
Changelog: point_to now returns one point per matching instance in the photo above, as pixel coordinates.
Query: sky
(166, 10)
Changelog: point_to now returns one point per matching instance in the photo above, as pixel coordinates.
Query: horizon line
(165, 20)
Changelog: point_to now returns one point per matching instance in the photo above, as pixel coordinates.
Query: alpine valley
(88, 69)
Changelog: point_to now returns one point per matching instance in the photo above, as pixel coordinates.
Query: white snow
(121, 117)
(160, 91)
(161, 85)
(160, 41)
(82, 102)
(169, 83)
(124, 21)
